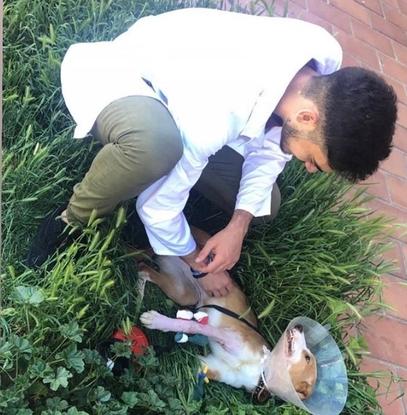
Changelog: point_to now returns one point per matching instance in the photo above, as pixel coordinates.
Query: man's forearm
(240, 221)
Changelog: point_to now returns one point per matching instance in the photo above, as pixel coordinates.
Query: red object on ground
(138, 339)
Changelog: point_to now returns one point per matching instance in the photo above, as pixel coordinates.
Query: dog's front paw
(149, 318)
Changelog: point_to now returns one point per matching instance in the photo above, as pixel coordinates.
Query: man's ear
(307, 118)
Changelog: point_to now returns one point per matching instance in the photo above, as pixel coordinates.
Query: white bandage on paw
(185, 314)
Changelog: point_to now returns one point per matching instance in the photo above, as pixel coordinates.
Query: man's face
(298, 143)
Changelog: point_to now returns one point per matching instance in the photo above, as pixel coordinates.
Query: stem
(58, 347)
(77, 387)
(27, 318)
(56, 361)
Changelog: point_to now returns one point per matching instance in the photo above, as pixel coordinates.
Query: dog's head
(290, 368)
(302, 365)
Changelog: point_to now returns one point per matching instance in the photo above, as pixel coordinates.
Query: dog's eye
(307, 358)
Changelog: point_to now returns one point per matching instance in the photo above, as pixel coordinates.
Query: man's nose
(311, 167)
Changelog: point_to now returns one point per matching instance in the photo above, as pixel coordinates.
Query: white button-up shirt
(221, 75)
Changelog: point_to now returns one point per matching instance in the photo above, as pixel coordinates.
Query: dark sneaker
(52, 234)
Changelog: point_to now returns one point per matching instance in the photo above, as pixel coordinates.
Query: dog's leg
(143, 277)
(229, 339)
(173, 284)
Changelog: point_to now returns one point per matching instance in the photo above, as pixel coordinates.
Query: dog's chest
(245, 376)
(238, 364)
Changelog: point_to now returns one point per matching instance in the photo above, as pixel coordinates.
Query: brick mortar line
(388, 173)
(376, 33)
(403, 280)
(390, 317)
(396, 58)
(369, 186)
(404, 65)
(394, 366)
(352, 30)
(354, 16)
(387, 196)
(395, 145)
(376, 359)
(377, 57)
(381, 8)
(402, 269)
(399, 240)
(380, 198)
(403, 84)
(399, 149)
(395, 276)
(403, 209)
(393, 203)
(396, 205)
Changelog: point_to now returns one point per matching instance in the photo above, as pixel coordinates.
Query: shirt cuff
(169, 248)
(261, 208)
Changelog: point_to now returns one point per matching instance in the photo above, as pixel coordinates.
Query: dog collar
(198, 274)
(261, 393)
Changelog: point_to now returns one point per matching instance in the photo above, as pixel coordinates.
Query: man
(220, 101)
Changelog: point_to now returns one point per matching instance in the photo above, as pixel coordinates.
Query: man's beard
(287, 132)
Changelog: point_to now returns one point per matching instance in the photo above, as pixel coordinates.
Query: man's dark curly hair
(359, 113)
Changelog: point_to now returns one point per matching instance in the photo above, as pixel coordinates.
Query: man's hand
(224, 248)
(216, 284)
(190, 260)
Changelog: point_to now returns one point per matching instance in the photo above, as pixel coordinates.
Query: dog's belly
(238, 368)
(246, 377)
(239, 371)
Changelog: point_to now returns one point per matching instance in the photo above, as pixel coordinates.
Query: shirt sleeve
(160, 209)
(160, 206)
(264, 161)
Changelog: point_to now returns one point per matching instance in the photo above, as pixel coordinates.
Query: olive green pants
(141, 143)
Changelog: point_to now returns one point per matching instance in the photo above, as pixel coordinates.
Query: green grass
(320, 258)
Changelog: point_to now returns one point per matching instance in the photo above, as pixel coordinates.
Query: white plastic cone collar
(331, 389)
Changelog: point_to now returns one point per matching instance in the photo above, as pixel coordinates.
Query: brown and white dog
(238, 352)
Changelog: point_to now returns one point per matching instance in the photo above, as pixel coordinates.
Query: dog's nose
(299, 327)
